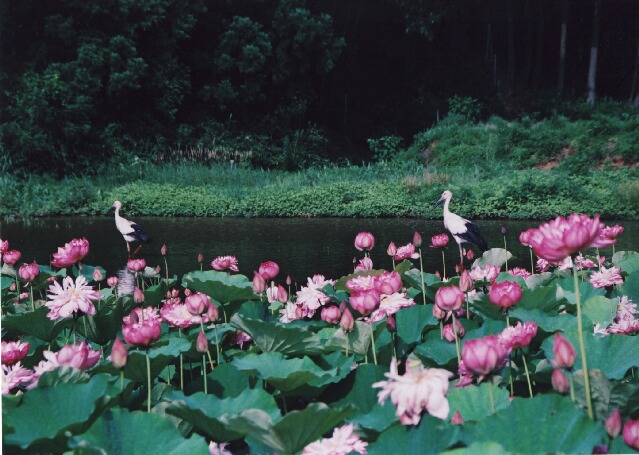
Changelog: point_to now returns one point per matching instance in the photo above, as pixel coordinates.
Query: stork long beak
(441, 199)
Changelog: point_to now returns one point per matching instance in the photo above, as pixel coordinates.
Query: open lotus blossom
(80, 356)
(13, 376)
(518, 336)
(419, 389)
(610, 232)
(439, 241)
(365, 302)
(389, 305)
(388, 283)
(289, 312)
(606, 277)
(483, 356)
(563, 237)
(11, 257)
(449, 334)
(71, 297)
(631, 433)
(139, 314)
(29, 272)
(178, 315)
(311, 297)
(14, 351)
(269, 270)
(406, 252)
(626, 309)
(505, 294)
(343, 442)
(197, 303)
(584, 263)
(364, 241)
(518, 271)
(625, 321)
(136, 265)
(364, 264)
(361, 283)
(70, 253)
(488, 273)
(331, 314)
(142, 333)
(225, 263)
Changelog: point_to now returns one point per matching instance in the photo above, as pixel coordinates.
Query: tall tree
(594, 49)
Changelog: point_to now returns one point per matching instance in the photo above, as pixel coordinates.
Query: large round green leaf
(34, 323)
(220, 286)
(120, 432)
(473, 402)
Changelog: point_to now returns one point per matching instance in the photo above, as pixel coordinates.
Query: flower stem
(121, 380)
(148, 383)
(32, 304)
(505, 248)
(523, 357)
(210, 359)
(456, 337)
(373, 345)
(582, 346)
(206, 384)
(217, 346)
(166, 269)
(444, 264)
(421, 269)
(572, 389)
(532, 262)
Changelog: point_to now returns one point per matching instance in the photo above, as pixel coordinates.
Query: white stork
(130, 230)
(462, 230)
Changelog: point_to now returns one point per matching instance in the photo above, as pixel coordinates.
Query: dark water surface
(302, 247)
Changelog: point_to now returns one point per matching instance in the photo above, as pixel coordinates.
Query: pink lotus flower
(200, 258)
(13, 376)
(201, 344)
(221, 263)
(139, 314)
(613, 424)
(505, 294)
(388, 283)
(311, 297)
(563, 237)
(79, 356)
(364, 241)
(71, 253)
(177, 315)
(29, 272)
(482, 356)
(417, 239)
(241, 338)
(457, 419)
(197, 303)
(259, 283)
(406, 252)
(449, 298)
(97, 275)
(631, 433)
(391, 250)
(119, 354)
(606, 277)
(419, 389)
(4, 246)
(14, 351)
(364, 264)
(518, 271)
(163, 250)
(439, 241)
(347, 322)
(563, 351)
(489, 273)
(518, 336)
(465, 282)
(559, 381)
(524, 237)
(439, 313)
(269, 270)
(11, 257)
(142, 333)
(365, 302)
(112, 281)
(331, 314)
(389, 305)
(449, 334)
(136, 265)
(343, 442)
(610, 232)
(361, 283)
(138, 295)
(470, 255)
(71, 297)
(542, 265)
(276, 294)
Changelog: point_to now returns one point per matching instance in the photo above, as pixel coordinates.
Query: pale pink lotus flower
(631, 433)
(269, 270)
(311, 297)
(70, 253)
(11, 257)
(289, 312)
(449, 334)
(524, 237)
(112, 281)
(219, 449)
(119, 354)
(97, 274)
(343, 442)
(406, 252)
(197, 303)
(488, 273)
(439, 241)
(417, 239)
(624, 327)
(392, 249)
(606, 277)
(178, 315)
(14, 351)
(564, 264)
(221, 263)
(364, 264)
(584, 263)
(347, 322)
(139, 314)
(361, 283)
(613, 424)
(364, 241)
(483, 356)
(559, 381)
(71, 297)
(542, 265)
(138, 295)
(201, 343)
(80, 356)
(563, 237)
(626, 309)
(449, 298)
(365, 302)
(136, 265)
(13, 376)
(29, 272)
(388, 283)
(505, 294)
(518, 336)
(419, 389)
(331, 314)
(389, 305)
(518, 271)
(276, 294)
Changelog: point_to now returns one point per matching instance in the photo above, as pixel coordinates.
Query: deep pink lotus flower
(439, 241)
(11, 257)
(119, 354)
(606, 277)
(449, 298)
(613, 424)
(14, 351)
(71, 253)
(610, 232)
(259, 283)
(29, 272)
(482, 356)
(201, 344)
(331, 314)
(631, 433)
(136, 265)
(269, 270)
(221, 263)
(391, 250)
(559, 381)
(71, 297)
(365, 302)
(419, 389)
(518, 336)
(388, 283)
(505, 294)
(406, 252)
(563, 351)
(13, 376)
(518, 271)
(364, 241)
(4, 246)
(417, 239)
(142, 333)
(347, 322)
(563, 237)
(197, 303)
(449, 334)
(343, 442)
(112, 281)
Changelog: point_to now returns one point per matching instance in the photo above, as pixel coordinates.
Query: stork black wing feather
(472, 235)
(139, 234)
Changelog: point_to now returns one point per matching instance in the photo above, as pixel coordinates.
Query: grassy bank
(382, 189)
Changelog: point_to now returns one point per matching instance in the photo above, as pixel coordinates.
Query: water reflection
(302, 247)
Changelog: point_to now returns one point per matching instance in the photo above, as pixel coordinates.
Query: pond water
(301, 246)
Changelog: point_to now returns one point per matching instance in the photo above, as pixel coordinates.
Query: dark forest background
(85, 82)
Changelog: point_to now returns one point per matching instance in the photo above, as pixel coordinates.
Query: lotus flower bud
(613, 424)
(465, 282)
(449, 298)
(448, 331)
(282, 295)
(482, 356)
(29, 272)
(288, 280)
(457, 419)
(119, 354)
(417, 239)
(97, 275)
(559, 381)
(163, 249)
(197, 303)
(503, 230)
(212, 312)
(505, 294)
(299, 312)
(347, 322)
(391, 250)
(158, 269)
(138, 295)
(438, 312)
(112, 281)
(4, 246)
(365, 302)
(269, 270)
(391, 324)
(563, 351)
(187, 292)
(201, 344)
(631, 433)
(259, 283)
(331, 314)
(136, 265)
(200, 258)
(439, 241)
(470, 255)
(364, 241)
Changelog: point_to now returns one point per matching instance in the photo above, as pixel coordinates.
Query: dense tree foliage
(290, 81)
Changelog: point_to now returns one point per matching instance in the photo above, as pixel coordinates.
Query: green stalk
(444, 264)
(505, 248)
(166, 269)
(456, 338)
(206, 385)
(421, 269)
(532, 262)
(148, 383)
(373, 345)
(582, 346)
(523, 357)
(33, 304)
(217, 347)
